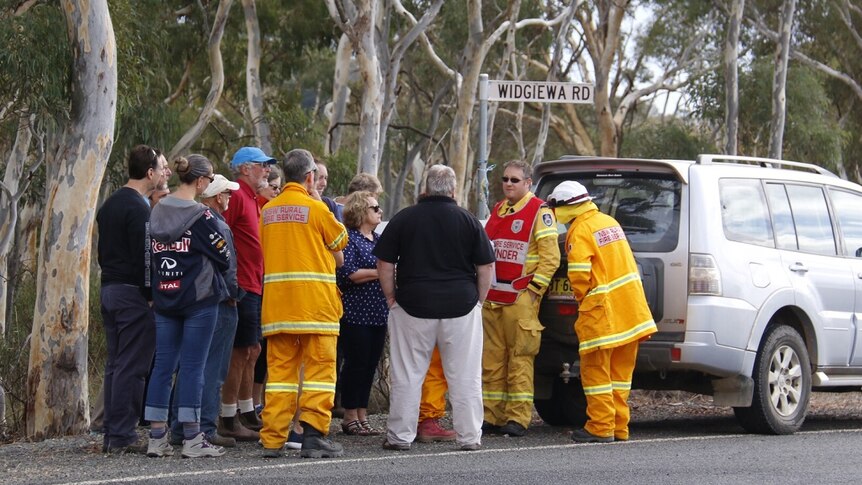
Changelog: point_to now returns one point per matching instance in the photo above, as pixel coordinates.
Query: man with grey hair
(303, 333)
(443, 255)
(250, 166)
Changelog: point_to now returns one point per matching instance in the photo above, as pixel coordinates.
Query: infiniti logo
(168, 263)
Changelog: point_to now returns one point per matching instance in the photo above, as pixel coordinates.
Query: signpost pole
(482, 211)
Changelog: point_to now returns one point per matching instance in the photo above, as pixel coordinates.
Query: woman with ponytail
(189, 254)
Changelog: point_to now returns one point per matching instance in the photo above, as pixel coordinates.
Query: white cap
(568, 193)
(219, 185)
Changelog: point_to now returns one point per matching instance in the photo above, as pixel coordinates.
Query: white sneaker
(159, 447)
(199, 446)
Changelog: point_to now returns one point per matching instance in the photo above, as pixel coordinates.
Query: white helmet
(568, 193)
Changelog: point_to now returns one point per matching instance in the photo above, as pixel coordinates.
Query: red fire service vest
(511, 235)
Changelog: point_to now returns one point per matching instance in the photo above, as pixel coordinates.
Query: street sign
(540, 92)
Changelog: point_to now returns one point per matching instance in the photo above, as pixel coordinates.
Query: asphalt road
(690, 446)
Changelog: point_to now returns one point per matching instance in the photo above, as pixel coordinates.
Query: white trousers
(411, 342)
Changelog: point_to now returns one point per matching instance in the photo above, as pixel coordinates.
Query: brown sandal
(354, 428)
(372, 431)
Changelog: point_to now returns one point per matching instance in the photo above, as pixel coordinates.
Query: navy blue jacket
(189, 256)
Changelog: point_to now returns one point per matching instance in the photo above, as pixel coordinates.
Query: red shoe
(430, 431)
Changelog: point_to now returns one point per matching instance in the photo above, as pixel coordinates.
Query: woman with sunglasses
(189, 254)
(363, 324)
(265, 194)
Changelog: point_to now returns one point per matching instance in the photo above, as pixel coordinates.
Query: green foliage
(811, 131)
(673, 140)
(35, 62)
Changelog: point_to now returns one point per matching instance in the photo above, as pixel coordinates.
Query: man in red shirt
(250, 167)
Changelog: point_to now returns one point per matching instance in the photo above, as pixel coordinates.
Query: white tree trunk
(254, 91)
(9, 197)
(405, 40)
(731, 75)
(340, 94)
(603, 40)
(57, 376)
(358, 22)
(559, 45)
(779, 79)
(216, 82)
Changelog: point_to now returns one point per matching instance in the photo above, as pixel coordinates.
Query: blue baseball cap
(250, 155)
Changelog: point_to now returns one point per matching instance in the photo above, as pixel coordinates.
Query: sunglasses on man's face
(513, 180)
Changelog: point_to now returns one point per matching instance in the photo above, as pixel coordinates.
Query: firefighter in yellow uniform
(432, 406)
(613, 315)
(524, 234)
(301, 310)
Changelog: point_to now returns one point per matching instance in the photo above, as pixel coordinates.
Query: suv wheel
(782, 384)
(567, 405)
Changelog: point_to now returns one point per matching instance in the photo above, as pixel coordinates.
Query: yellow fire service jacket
(298, 234)
(612, 310)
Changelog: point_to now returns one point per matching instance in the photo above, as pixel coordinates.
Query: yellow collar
(512, 208)
(567, 213)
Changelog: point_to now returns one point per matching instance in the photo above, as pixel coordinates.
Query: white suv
(753, 274)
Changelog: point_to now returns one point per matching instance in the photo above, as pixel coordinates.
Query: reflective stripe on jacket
(612, 308)
(298, 235)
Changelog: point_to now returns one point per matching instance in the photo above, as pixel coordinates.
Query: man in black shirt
(444, 263)
(130, 331)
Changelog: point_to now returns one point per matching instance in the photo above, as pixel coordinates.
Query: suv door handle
(798, 268)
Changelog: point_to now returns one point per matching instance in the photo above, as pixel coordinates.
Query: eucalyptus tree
(57, 378)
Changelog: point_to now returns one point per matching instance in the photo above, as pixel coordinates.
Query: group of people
(191, 290)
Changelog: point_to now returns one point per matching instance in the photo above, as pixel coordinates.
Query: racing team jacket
(189, 256)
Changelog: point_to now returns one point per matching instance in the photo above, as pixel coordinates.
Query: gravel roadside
(34, 462)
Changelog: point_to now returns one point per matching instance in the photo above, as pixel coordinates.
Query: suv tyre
(782, 384)
(567, 405)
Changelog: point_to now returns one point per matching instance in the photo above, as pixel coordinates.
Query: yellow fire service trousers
(285, 355)
(433, 403)
(512, 335)
(607, 378)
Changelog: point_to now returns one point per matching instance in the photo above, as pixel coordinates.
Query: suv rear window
(646, 205)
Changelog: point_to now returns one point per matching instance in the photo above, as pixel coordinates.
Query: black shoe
(250, 420)
(315, 445)
(272, 453)
(584, 436)
(513, 429)
(488, 428)
(137, 448)
(387, 445)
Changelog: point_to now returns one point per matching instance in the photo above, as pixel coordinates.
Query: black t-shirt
(124, 253)
(436, 246)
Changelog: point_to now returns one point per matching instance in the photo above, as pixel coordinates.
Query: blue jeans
(215, 371)
(183, 340)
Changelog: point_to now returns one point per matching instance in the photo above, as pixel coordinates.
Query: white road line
(408, 456)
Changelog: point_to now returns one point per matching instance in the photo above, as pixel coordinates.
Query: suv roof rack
(763, 162)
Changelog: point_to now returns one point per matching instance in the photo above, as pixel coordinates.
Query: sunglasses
(274, 187)
(375, 208)
(210, 177)
(510, 179)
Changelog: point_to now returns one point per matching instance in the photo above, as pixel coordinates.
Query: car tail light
(675, 354)
(567, 310)
(704, 278)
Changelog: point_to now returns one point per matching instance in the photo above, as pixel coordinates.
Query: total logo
(169, 285)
